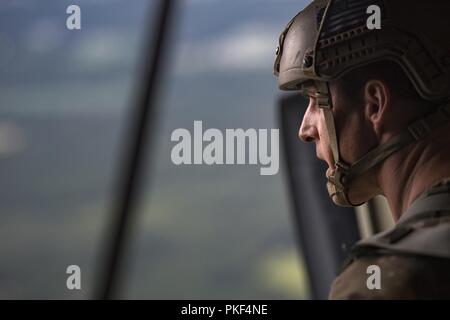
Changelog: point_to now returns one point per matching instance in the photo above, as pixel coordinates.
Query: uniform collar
(429, 203)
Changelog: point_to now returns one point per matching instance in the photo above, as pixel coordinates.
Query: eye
(312, 103)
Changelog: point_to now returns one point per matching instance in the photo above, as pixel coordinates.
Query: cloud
(194, 2)
(8, 50)
(245, 48)
(12, 139)
(104, 49)
(44, 35)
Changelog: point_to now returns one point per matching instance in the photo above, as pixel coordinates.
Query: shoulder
(411, 260)
(401, 277)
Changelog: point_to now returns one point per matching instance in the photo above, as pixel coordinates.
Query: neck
(415, 169)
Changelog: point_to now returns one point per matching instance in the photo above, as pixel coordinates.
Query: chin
(359, 195)
(329, 172)
(354, 196)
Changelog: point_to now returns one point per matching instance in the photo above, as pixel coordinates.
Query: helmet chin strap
(339, 182)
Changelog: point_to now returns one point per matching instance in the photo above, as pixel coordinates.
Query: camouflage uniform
(414, 256)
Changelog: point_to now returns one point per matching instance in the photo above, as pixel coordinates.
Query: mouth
(330, 172)
(319, 156)
(331, 167)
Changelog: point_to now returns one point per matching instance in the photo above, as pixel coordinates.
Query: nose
(308, 129)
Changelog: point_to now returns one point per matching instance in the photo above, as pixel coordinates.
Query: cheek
(354, 140)
(324, 144)
(354, 134)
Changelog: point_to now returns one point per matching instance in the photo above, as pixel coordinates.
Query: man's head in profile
(378, 97)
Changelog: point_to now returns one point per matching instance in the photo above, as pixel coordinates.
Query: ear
(377, 98)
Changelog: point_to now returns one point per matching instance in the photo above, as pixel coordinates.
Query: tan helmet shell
(329, 38)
